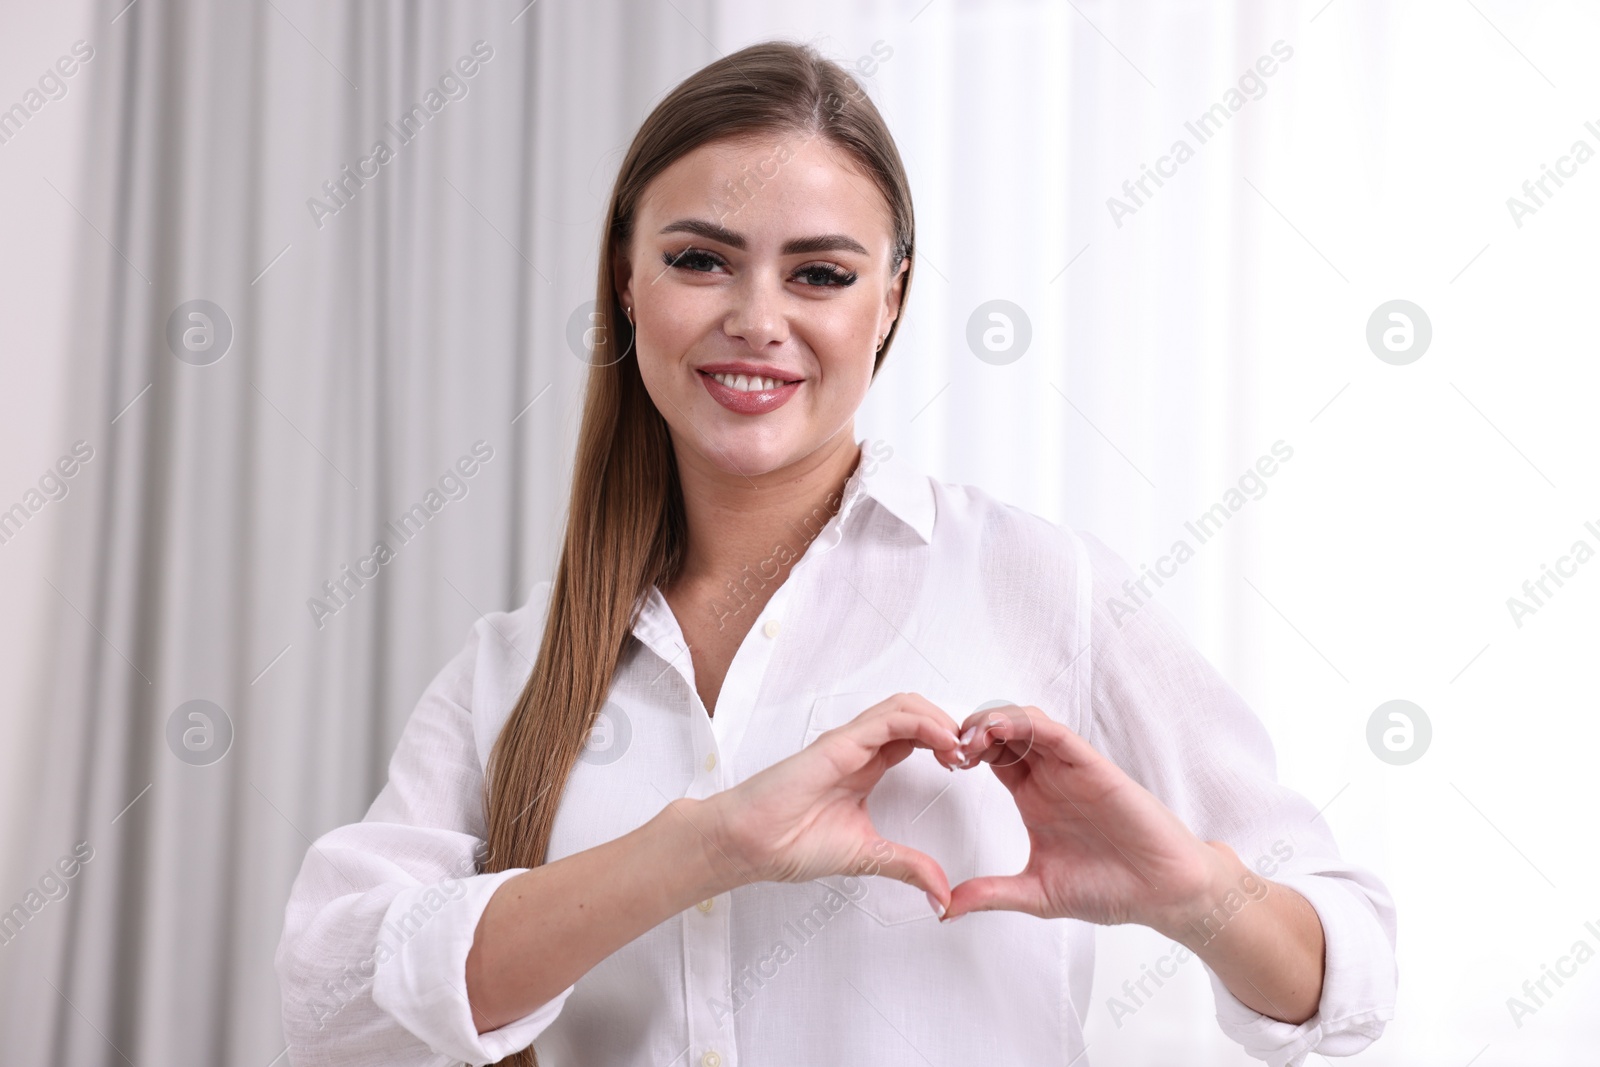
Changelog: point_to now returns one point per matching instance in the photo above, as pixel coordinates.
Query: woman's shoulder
(514, 635)
(1002, 529)
(500, 651)
(1007, 537)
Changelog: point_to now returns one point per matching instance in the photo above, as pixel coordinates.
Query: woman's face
(765, 258)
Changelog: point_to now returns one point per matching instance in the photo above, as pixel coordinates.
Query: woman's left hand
(1103, 848)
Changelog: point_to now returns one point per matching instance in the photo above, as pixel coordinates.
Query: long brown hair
(625, 522)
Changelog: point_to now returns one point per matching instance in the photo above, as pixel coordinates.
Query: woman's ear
(893, 298)
(622, 277)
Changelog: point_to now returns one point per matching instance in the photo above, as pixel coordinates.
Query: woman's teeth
(747, 384)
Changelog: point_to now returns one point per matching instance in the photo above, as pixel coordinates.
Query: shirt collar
(894, 484)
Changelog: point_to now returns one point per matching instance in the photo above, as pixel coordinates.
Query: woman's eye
(826, 274)
(693, 259)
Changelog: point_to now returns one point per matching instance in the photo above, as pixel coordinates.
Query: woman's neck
(761, 522)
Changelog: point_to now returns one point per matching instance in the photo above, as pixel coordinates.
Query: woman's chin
(748, 451)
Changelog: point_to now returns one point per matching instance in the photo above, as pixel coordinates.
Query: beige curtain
(287, 347)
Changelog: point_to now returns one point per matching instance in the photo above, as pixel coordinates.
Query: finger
(918, 704)
(1012, 892)
(1047, 742)
(1059, 742)
(905, 864)
(903, 717)
(1008, 734)
(992, 727)
(1000, 736)
(1014, 775)
(895, 752)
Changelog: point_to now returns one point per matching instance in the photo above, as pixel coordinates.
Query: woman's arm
(396, 892)
(1128, 824)
(1262, 939)
(802, 818)
(548, 926)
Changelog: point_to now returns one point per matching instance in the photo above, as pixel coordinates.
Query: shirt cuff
(421, 976)
(1358, 983)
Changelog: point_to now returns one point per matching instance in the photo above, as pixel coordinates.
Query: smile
(748, 383)
(747, 394)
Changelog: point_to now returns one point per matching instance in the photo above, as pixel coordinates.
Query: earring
(632, 334)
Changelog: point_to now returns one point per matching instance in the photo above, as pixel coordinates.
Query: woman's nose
(757, 316)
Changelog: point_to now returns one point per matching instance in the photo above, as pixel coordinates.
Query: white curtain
(412, 313)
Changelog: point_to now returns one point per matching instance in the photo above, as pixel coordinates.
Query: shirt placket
(709, 980)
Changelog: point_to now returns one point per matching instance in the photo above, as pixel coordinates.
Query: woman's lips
(755, 402)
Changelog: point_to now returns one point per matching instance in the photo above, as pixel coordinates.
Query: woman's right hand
(805, 816)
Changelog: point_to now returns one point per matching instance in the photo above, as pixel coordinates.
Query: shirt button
(711, 761)
(711, 1059)
(771, 628)
(705, 905)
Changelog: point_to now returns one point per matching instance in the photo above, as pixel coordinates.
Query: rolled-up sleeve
(1165, 715)
(372, 961)
(1358, 983)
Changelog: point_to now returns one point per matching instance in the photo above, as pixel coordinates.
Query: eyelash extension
(822, 275)
(834, 275)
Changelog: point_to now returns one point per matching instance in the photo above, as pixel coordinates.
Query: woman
(672, 809)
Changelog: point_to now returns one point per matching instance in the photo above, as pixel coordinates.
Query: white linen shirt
(914, 585)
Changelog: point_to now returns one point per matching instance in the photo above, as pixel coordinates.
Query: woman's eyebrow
(828, 242)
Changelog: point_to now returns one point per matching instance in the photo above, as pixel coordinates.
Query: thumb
(905, 864)
(1010, 892)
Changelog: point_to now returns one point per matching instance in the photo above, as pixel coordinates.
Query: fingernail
(933, 902)
(967, 735)
(954, 918)
(960, 754)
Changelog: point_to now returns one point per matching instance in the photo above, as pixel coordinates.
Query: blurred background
(226, 365)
